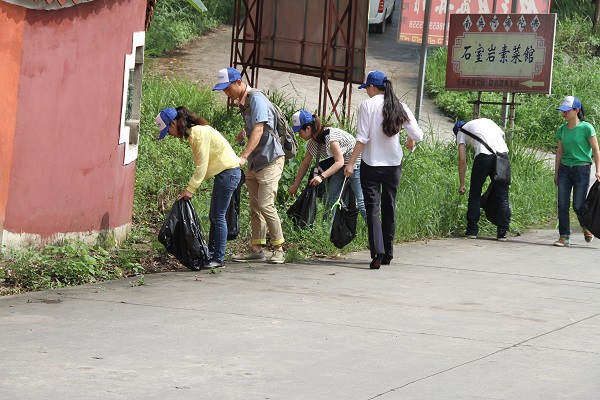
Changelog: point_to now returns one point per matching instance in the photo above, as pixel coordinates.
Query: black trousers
(380, 186)
(483, 166)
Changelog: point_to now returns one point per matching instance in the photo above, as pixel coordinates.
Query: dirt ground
(202, 58)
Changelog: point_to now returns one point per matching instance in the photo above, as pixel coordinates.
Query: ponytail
(319, 128)
(581, 113)
(394, 115)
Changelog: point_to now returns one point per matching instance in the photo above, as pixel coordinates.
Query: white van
(380, 13)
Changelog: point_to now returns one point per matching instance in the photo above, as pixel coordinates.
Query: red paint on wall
(11, 31)
(69, 174)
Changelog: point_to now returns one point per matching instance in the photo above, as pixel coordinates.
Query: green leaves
(67, 264)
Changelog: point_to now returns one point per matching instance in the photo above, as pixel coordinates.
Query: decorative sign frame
(501, 53)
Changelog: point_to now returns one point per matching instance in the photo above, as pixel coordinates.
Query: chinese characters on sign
(412, 15)
(501, 52)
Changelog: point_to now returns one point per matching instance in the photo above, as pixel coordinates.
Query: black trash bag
(323, 166)
(488, 203)
(232, 215)
(343, 228)
(182, 237)
(589, 213)
(304, 210)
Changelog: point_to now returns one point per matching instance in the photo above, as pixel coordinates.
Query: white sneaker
(278, 257)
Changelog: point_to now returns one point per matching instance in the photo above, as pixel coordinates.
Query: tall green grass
(428, 206)
(175, 22)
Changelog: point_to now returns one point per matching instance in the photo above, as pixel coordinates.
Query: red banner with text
(412, 15)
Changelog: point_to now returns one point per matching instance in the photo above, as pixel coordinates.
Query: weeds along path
(200, 59)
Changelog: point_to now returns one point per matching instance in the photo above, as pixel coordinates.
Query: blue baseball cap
(164, 120)
(375, 78)
(301, 118)
(225, 77)
(457, 126)
(569, 103)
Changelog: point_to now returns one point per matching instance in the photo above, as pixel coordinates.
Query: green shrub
(66, 264)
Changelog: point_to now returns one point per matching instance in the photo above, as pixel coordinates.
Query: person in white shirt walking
(380, 119)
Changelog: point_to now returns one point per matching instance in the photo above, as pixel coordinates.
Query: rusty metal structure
(320, 38)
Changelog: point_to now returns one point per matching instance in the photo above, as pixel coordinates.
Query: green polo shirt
(576, 143)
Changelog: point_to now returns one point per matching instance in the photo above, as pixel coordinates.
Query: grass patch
(175, 22)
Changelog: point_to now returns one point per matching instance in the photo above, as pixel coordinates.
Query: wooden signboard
(501, 52)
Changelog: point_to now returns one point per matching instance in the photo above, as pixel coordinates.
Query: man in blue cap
(265, 159)
(483, 166)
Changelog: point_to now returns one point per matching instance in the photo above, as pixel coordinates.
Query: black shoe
(214, 264)
(386, 259)
(376, 262)
(501, 237)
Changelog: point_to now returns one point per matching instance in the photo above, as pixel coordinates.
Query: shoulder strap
(249, 95)
(480, 140)
(317, 159)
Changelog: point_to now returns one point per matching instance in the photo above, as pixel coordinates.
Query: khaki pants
(262, 190)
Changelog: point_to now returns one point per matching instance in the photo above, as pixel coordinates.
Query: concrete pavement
(448, 319)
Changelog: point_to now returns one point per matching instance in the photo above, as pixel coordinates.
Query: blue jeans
(224, 185)
(576, 178)
(334, 187)
(483, 166)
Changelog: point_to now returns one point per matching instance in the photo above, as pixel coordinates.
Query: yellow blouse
(212, 154)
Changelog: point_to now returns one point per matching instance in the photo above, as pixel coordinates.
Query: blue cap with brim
(375, 78)
(164, 120)
(301, 118)
(569, 103)
(457, 126)
(225, 77)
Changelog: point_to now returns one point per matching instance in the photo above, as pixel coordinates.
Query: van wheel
(388, 20)
(380, 28)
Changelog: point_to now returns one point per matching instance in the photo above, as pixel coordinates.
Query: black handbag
(589, 213)
(502, 168)
(232, 215)
(182, 237)
(501, 164)
(343, 228)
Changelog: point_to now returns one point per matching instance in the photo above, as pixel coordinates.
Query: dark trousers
(380, 186)
(483, 166)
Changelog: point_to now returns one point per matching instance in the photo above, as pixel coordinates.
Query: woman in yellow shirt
(213, 157)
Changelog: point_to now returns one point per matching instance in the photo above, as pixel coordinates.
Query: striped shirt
(344, 139)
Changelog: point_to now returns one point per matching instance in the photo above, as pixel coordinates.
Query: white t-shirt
(487, 130)
(380, 149)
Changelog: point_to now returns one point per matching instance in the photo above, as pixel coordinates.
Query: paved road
(449, 319)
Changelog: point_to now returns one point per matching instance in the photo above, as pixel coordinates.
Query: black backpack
(283, 132)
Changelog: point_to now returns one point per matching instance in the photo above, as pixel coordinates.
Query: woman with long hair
(577, 145)
(329, 143)
(213, 157)
(380, 119)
